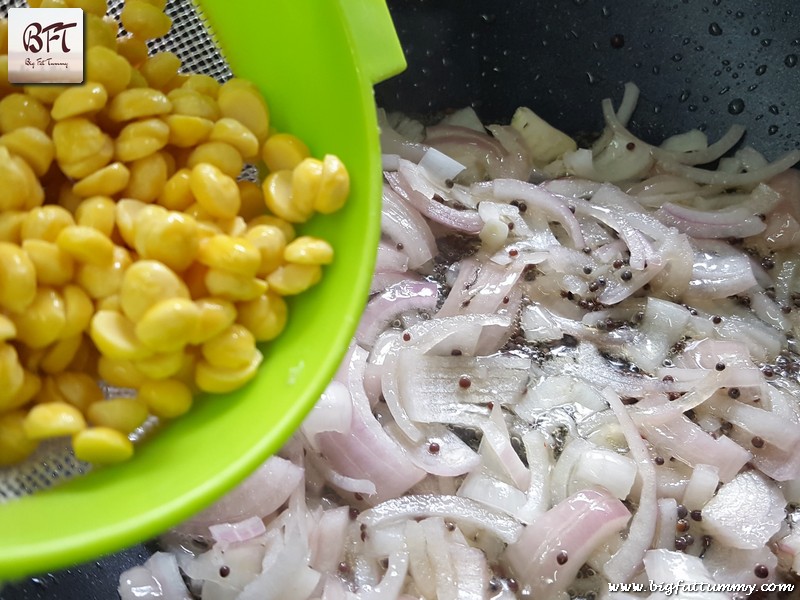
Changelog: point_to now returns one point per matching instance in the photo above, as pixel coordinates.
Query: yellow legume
(167, 398)
(115, 336)
(168, 325)
(148, 177)
(270, 242)
(335, 186)
(86, 245)
(17, 278)
(141, 138)
(160, 366)
(106, 67)
(107, 181)
(216, 315)
(291, 279)
(277, 188)
(60, 354)
(283, 151)
(102, 445)
(52, 419)
(20, 189)
(219, 154)
(12, 376)
(81, 147)
(11, 225)
(21, 110)
(215, 191)
(15, 446)
(121, 414)
(144, 20)
(95, 7)
(186, 131)
(231, 349)
(133, 50)
(146, 283)
(98, 212)
(169, 237)
(227, 253)
(78, 389)
(177, 193)
(286, 227)
(192, 103)
(106, 280)
(119, 372)
(204, 84)
(217, 380)
(160, 69)
(240, 100)
(45, 223)
(78, 310)
(33, 145)
(98, 31)
(42, 322)
(81, 100)
(307, 250)
(8, 330)
(138, 103)
(231, 286)
(237, 135)
(53, 265)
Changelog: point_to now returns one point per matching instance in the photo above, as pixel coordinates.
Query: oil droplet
(698, 48)
(752, 87)
(766, 42)
(656, 70)
(692, 107)
(591, 78)
(605, 11)
(739, 14)
(774, 109)
(579, 2)
(761, 69)
(724, 90)
(790, 60)
(686, 41)
(736, 106)
(678, 57)
(487, 18)
(726, 62)
(717, 73)
(773, 129)
(755, 31)
(684, 96)
(656, 109)
(715, 29)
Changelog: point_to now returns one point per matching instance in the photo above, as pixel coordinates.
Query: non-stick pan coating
(699, 63)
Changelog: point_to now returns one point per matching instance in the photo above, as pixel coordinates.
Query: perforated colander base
(192, 41)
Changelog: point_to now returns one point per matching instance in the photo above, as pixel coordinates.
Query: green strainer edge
(316, 62)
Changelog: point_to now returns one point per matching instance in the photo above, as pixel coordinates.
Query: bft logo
(45, 45)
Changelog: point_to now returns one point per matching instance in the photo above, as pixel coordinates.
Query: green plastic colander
(316, 62)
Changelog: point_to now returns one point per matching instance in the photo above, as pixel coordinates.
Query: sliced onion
(394, 301)
(230, 533)
(406, 226)
(411, 185)
(746, 512)
(439, 166)
(576, 527)
(554, 207)
(628, 559)
(451, 508)
(701, 487)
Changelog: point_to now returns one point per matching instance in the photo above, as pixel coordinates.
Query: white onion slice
(451, 508)
(746, 511)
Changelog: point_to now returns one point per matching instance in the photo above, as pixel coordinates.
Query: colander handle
(375, 43)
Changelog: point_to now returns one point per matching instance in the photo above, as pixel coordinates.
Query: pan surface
(703, 64)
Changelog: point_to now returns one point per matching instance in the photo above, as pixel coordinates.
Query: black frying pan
(699, 63)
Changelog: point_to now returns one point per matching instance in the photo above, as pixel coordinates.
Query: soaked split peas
(132, 254)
